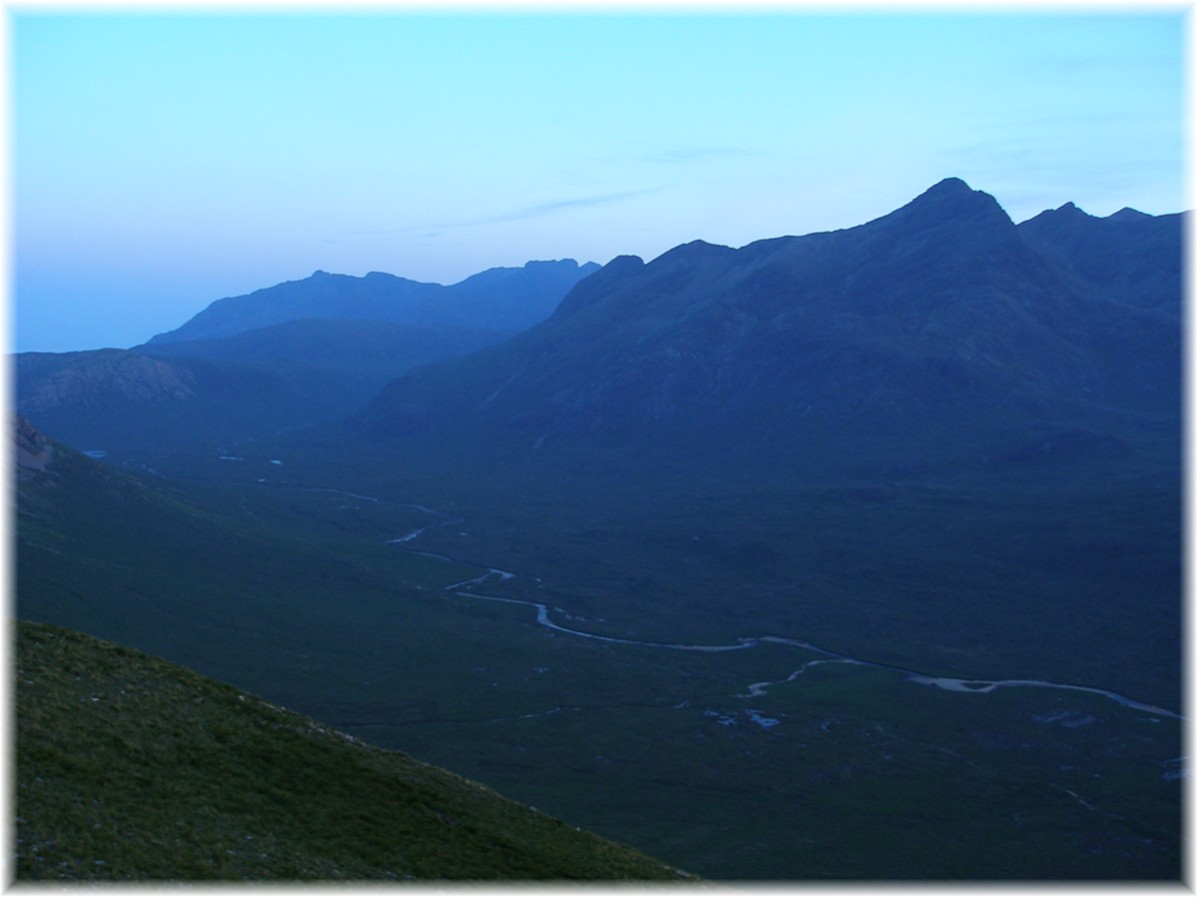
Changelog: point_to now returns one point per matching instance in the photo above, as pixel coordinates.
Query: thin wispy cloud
(554, 206)
(437, 229)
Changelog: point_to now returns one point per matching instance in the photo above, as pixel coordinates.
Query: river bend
(957, 685)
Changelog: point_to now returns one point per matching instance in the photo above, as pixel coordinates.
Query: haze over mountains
(502, 300)
(734, 555)
(293, 354)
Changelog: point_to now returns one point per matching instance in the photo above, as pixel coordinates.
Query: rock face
(940, 324)
(34, 452)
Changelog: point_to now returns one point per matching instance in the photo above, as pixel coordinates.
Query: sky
(162, 159)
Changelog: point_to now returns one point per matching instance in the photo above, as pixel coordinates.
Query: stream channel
(958, 685)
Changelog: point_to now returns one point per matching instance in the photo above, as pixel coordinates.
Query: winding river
(957, 685)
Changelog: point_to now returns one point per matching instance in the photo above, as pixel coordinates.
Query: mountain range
(1062, 331)
(940, 329)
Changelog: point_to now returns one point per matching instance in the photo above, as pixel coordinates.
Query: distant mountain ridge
(940, 323)
(1131, 255)
(294, 354)
(501, 299)
(943, 312)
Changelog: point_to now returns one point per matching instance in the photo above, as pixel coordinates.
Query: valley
(632, 719)
(676, 713)
(791, 713)
(848, 557)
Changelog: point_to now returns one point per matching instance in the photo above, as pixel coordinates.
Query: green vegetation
(939, 572)
(287, 587)
(130, 768)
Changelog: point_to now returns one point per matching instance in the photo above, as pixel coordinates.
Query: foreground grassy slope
(131, 768)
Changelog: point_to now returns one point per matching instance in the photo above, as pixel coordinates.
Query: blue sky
(161, 161)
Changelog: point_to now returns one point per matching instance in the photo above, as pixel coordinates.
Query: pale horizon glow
(161, 161)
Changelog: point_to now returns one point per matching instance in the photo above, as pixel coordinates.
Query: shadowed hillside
(129, 768)
(938, 334)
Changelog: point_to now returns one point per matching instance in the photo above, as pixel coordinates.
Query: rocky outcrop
(34, 452)
(81, 378)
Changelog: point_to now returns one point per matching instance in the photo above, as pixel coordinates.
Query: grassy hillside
(131, 768)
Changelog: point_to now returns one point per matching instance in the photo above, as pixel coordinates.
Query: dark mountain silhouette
(1129, 256)
(940, 331)
(939, 350)
(502, 299)
(331, 344)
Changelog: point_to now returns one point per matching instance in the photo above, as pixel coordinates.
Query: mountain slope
(128, 767)
(130, 404)
(941, 313)
(502, 299)
(378, 351)
(1133, 257)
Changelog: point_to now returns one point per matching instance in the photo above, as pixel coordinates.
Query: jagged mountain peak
(942, 312)
(1064, 216)
(950, 200)
(693, 252)
(1069, 208)
(952, 186)
(700, 246)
